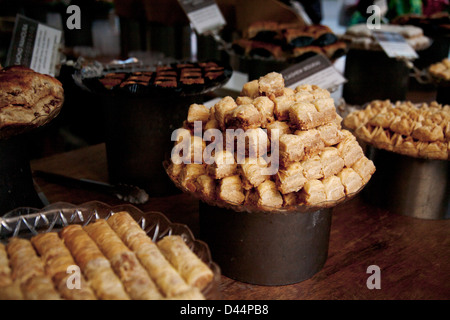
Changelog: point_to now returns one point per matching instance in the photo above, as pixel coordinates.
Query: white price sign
(34, 45)
(316, 70)
(204, 15)
(395, 45)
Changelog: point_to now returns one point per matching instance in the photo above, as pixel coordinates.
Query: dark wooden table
(413, 255)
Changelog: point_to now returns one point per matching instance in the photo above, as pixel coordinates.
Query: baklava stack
(418, 131)
(296, 131)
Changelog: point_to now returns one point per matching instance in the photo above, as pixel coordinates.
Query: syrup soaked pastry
(302, 128)
(57, 261)
(124, 262)
(95, 266)
(28, 270)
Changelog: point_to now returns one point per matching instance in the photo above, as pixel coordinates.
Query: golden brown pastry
(9, 290)
(193, 270)
(189, 174)
(94, 265)
(265, 106)
(197, 112)
(365, 168)
(313, 193)
(311, 141)
(291, 179)
(28, 271)
(271, 84)
(351, 180)
(27, 99)
(223, 165)
(334, 189)
(291, 148)
(312, 168)
(304, 116)
(124, 262)
(161, 271)
(282, 105)
(244, 117)
(221, 108)
(250, 89)
(231, 189)
(349, 149)
(331, 161)
(252, 172)
(206, 186)
(58, 261)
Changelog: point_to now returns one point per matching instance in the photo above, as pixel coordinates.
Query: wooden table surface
(413, 254)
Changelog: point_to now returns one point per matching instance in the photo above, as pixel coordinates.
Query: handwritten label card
(34, 45)
(205, 15)
(395, 45)
(317, 70)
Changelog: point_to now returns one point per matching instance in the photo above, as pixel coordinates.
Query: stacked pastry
(359, 36)
(110, 259)
(418, 131)
(318, 163)
(288, 41)
(441, 70)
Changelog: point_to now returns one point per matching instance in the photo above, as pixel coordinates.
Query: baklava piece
(351, 180)
(365, 168)
(282, 105)
(311, 141)
(221, 109)
(252, 172)
(224, 165)
(313, 193)
(206, 186)
(304, 116)
(93, 264)
(291, 148)
(312, 168)
(290, 179)
(334, 189)
(331, 161)
(230, 189)
(133, 275)
(193, 270)
(189, 174)
(349, 149)
(266, 195)
(197, 112)
(265, 106)
(251, 89)
(243, 117)
(271, 84)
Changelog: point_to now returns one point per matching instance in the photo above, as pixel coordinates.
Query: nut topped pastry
(413, 130)
(287, 149)
(27, 100)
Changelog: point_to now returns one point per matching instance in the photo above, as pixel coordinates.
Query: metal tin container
(138, 138)
(266, 248)
(409, 186)
(16, 181)
(372, 75)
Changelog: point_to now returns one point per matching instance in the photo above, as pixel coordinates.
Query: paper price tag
(316, 70)
(395, 45)
(204, 15)
(34, 45)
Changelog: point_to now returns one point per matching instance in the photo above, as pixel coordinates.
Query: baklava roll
(160, 270)
(94, 265)
(194, 271)
(230, 189)
(313, 193)
(28, 271)
(134, 277)
(9, 290)
(290, 179)
(57, 262)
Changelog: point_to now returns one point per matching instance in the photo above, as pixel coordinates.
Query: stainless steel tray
(27, 222)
